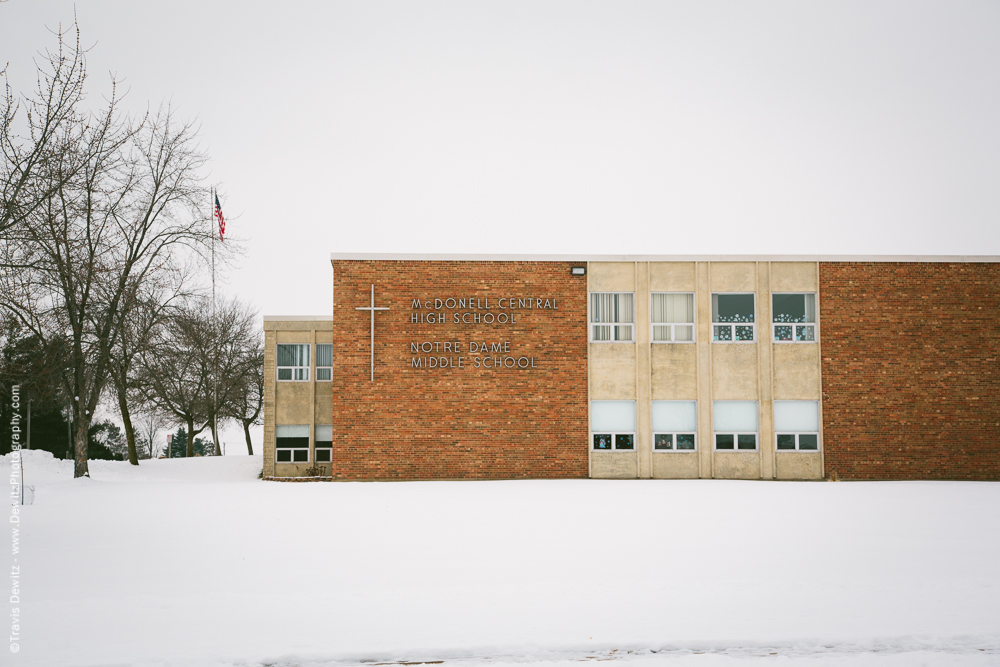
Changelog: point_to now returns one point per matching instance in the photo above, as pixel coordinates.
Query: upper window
(612, 425)
(796, 425)
(735, 424)
(291, 443)
(324, 361)
(733, 317)
(675, 424)
(612, 315)
(672, 316)
(794, 317)
(293, 362)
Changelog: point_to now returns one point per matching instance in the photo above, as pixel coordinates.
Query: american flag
(222, 219)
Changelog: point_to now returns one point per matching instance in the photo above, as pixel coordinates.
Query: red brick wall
(471, 423)
(911, 380)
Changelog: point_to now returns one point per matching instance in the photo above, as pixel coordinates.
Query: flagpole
(215, 345)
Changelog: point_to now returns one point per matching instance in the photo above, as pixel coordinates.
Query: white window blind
(674, 417)
(796, 416)
(672, 316)
(735, 416)
(612, 416)
(611, 315)
(324, 433)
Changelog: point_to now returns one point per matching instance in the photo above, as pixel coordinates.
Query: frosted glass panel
(324, 432)
(674, 417)
(291, 431)
(796, 416)
(612, 416)
(735, 416)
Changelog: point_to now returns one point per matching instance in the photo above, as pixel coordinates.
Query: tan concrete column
(765, 375)
(703, 316)
(643, 389)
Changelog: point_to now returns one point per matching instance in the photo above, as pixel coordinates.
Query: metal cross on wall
(372, 310)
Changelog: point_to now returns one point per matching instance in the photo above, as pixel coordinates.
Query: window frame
(732, 325)
(327, 446)
(319, 368)
(814, 324)
(591, 324)
(306, 449)
(673, 339)
(673, 442)
(736, 441)
(819, 444)
(307, 368)
(614, 441)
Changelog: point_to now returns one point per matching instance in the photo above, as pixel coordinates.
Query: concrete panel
(292, 403)
(674, 372)
(299, 325)
(294, 336)
(799, 465)
(675, 465)
(611, 276)
(796, 371)
(733, 277)
(734, 372)
(737, 465)
(643, 406)
(793, 277)
(613, 465)
(302, 470)
(671, 277)
(612, 371)
(324, 403)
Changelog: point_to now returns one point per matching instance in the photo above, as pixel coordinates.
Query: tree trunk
(133, 457)
(215, 439)
(190, 443)
(80, 468)
(246, 431)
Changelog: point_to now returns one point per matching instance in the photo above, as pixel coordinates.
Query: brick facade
(469, 422)
(910, 370)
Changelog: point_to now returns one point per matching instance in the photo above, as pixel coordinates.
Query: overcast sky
(563, 127)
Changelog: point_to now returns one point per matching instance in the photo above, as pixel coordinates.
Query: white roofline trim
(298, 318)
(435, 257)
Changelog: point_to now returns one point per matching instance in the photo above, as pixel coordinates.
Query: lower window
(736, 441)
(674, 425)
(612, 425)
(291, 443)
(676, 441)
(324, 443)
(798, 441)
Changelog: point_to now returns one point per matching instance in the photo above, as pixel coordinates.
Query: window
(732, 317)
(293, 362)
(324, 362)
(291, 443)
(794, 317)
(674, 425)
(612, 425)
(611, 315)
(735, 424)
(324, 438)
(672, 316)
(796, 425)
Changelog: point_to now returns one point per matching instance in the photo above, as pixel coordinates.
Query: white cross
(372, 310)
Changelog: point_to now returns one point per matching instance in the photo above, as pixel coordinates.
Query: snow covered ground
(197, 562)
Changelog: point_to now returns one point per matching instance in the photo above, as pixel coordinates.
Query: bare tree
(148, 427)
(248, 400)
(32, 166)
(121, 207)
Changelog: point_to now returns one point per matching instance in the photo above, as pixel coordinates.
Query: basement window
(733, 318)
(324, 362)
(291, 443)
(324, 439)
(794, 318)
(796, 425)
(293, 362)
(612, 317)
(672, 317)
(612, 425)
(675, 424)
(735, 424)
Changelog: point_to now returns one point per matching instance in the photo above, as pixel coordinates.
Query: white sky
(564, 127)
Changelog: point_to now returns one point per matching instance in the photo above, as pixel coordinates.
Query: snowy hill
(197, 562)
